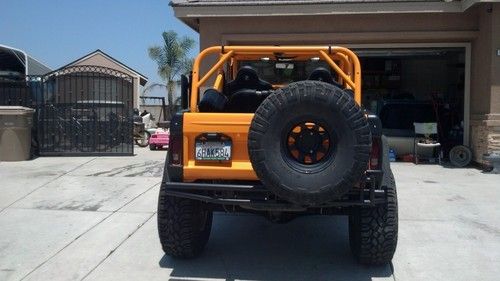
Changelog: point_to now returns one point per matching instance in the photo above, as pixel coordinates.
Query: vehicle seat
(246, 92)
(212, 101)
(324, 75)
(246, 101)
(246, 78)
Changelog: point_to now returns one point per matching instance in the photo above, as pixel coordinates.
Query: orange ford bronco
(277, 131)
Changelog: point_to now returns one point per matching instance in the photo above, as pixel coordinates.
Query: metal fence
(80, 110)
(22, 93)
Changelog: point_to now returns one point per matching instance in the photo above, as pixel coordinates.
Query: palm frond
(155, 53)
(186, 44)
(172, 60)
(153, 86)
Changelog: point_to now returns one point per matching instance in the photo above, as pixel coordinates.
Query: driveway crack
(118, 246)
(45, 184)
(67, 245)
(92, 227)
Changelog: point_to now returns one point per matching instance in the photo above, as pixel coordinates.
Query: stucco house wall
(485, 82)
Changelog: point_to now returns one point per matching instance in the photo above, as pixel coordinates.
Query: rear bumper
(155, 142)
(258, 197)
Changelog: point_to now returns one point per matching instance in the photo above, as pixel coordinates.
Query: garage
(443, 56)
(404, 86)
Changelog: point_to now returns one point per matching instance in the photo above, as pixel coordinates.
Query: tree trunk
(170, 98)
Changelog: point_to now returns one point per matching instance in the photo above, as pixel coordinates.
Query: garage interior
(423, 85)
(408, 85)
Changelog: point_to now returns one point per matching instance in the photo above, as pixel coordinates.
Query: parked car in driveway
(300, 146)
(159, 139)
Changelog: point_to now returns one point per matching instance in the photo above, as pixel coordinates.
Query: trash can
(15, 132)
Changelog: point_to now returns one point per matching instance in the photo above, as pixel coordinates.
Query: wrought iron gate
(80, 110)
(22, 93)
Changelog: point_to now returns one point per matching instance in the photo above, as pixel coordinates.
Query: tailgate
(233, 125)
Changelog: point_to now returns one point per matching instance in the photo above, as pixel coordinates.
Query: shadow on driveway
(250, 247)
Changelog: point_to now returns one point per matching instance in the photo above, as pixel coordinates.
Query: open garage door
(405, 85)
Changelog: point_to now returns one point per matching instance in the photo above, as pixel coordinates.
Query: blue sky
(57, 32)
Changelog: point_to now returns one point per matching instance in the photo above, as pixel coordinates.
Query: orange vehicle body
(236, 125)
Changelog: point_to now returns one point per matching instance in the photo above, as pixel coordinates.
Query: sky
(57, 32)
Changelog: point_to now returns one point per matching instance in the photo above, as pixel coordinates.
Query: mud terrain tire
(342, 163)
(373, 231)
(183, 225)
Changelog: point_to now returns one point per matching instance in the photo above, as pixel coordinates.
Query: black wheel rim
(308, 143)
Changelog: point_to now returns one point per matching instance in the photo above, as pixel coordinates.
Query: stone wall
(485, 135)
(494, 139)
(479, 141)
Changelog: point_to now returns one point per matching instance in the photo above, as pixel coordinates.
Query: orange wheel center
(308, 143)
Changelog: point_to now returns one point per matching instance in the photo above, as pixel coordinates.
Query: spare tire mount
(309, 142)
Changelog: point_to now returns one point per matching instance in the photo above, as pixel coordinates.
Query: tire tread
(373, 231)
(182, 230)
(319, 93)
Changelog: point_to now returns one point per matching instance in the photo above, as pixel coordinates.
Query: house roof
(278, 2)
(142, 78)
(35, 67)
(190, 11)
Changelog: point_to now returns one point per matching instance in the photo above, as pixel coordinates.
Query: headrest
(246, 78)
(247, 73)
(321, 74)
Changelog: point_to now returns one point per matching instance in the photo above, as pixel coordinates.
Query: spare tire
(309, 142)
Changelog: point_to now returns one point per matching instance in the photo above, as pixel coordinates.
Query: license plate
(213, 150)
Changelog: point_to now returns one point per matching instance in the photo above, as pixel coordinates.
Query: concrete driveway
(90, 218)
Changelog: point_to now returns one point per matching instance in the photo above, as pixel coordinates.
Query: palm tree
(172, 59)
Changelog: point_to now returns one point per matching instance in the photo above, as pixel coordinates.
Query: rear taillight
(375, 154)
(175, 141)
(175, 147)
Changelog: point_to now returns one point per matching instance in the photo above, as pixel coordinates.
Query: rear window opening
(277, 72)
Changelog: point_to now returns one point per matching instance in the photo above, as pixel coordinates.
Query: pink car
(159, 140)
